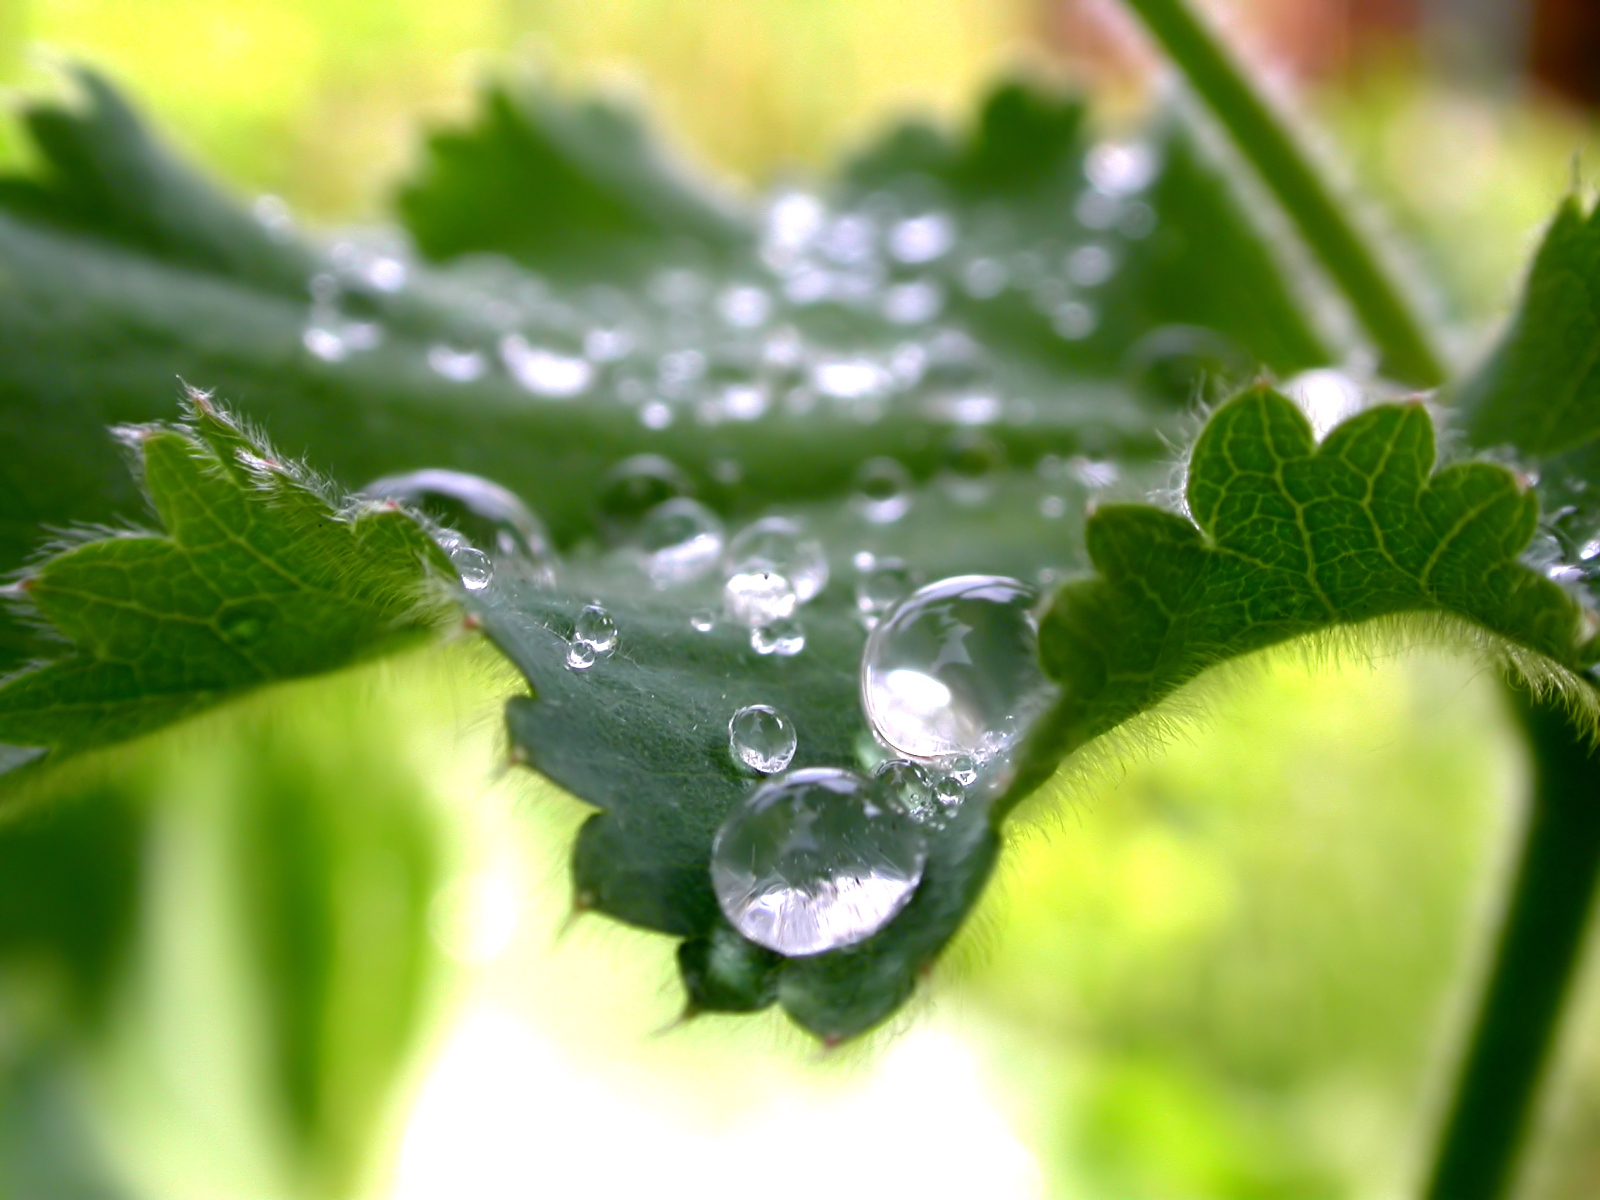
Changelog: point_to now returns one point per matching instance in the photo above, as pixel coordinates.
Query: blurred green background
(321, 944)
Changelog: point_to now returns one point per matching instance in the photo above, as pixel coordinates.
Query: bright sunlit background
(1236, 970)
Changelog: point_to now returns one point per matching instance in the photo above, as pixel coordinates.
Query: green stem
(1534, 962)
(1381, 306)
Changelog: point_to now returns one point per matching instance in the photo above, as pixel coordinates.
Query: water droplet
(1074, 320)
(849, 239)
(850, 378)
(681, 539)
(458, 366)
(882, 491)
(810, 862)
(1589, 549)
(755, 598)
(949, 791)
(881, 585)
(655, 415)
(963, 768)
(761, 738)
(635, 486)
(922, 239)
(1326, 396)
(544, 372)
(793, 222)
(1090, 266)
(909, 785)
(985, 278)
(325, 343)
(1094, 473)
(744, 401)
(913, 303)
(779, 546)
(597, 629)
(971, 462)
(784, 638)
(1120, 168)
(702, 620)
(1052, 508)
(580, 656)
(471, 564)
(745, 307)
(955, 669)
(486, 513)
(603, 345)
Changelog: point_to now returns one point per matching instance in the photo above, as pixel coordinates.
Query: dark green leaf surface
(1540, 389)
(257, 577)
(1289, 537)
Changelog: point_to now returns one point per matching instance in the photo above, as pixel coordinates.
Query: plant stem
(1538, 951)
(1382, 307)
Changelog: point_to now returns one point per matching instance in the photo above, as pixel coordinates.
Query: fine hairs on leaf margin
(1184, 713)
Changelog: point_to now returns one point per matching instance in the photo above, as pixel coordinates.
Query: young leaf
(258, 576)
(1289, 537)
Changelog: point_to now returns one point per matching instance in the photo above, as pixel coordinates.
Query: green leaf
(1289, 538)
(570, 188)
(258, 576)
(1539, 391)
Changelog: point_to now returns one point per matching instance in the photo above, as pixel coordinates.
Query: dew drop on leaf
(635, 486)
(597, 629)
(761, 738)
(757, 597)
(485, 513)
(1326, 396)
(923, 238)
(473, 565)
(458, 366)
(908, 785)
(882, 491)
(954, 670)
(784, 638)
(679, 540)
(881, 584)
(779, 546)
(813, 861)
(580, 656)
(702, 620)
(544, 372)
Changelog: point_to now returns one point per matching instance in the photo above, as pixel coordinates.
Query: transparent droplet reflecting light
(954, 670)
(779, 546)
(681, 539)
(761, 738)
(813, 861)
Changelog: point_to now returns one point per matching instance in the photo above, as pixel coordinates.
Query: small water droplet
(702, 620)
(809, 862)
(472, 565)
(922, 238)
(985, 278)
(655, 415)
(783, 638)
(580, 656)
(458, 366)
(761, 738)
(1074, 320)
(779, 546)
(1120, 168)
(745, 307)
(972, 459)
(756, 597)
(1091, 265)
(325, 343)
(881, 585)
(849, 239)
(954, 670)
(603, 345)
(949, 791)
(963, 768)
(544, 372)
(914, 303)
(908, 785)
(597, 629)
(882, 491)
(1052, 508)
(681, 539)
(850, 378)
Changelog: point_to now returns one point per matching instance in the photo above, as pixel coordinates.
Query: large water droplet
(784, 638)
(756, 597)
(779, 546)
(955, 669)
(813, 861)
(487, 514)
(882, 491)
(680, 539)
(761, 738)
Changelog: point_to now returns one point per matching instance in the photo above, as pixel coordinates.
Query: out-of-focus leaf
(576, 189)
(335, 861)
(1540, 389)
(258, 576)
